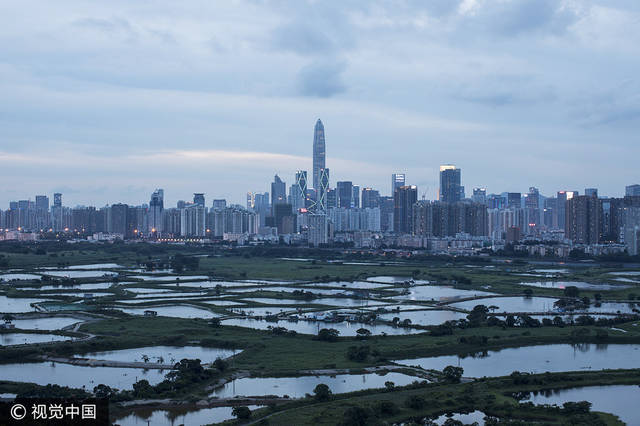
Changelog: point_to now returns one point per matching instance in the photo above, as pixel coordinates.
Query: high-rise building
(219, 204)
(156, 206)
(370, 198)
(318, 232)
(345, 194)
(403, 199)
(397, 180)
(278, 192)
(42, 212)
(450, 188)
(583, 223)
(198, 198)
(56, 212)
(298, 192)
(560, 214)
(319, 153)
(514, 200)
(479, 195)
(632, 190)
(355, 196)
(532, 210)
(591, 192)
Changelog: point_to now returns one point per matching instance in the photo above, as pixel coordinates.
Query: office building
(154, 216)
(404, 199)
(278, 192)
(370, 198)
(450, 187)
(198, 198)
(319, 153)
(632, 191)
(397, 180)
(583, 219)
(345, 194)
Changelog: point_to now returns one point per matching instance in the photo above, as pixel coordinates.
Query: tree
(328, 334)
(7, 318)
(452, 374)
(389, 385)
(241, 412)
(363, 333)
(322, 392)
(103, 391)
(142, 389)
(528, 292)
(571, 291)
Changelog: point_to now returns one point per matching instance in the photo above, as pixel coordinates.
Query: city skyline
(108, 103)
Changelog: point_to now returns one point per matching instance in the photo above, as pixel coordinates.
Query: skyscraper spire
(319, 153)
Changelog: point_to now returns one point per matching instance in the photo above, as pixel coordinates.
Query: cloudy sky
(106, 101)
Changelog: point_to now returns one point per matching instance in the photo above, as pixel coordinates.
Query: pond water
(88, 286)
(28, 338)
(552, 271)
(312, 327)
(297, 387)
(171, 277)
(425, 317)
(9, 277)
(77, 376)
(360, 285)
(79, 274)
(166, 294)
(627, 273)
(621, 400)
(626, 280)
(538, 359)
(178, 416)
(170, 354)
(14, 305)
(261, 311)
(172, 311)
(144, 290)
(96, 266)
(394, 280)
(437, 292)
(467, 419)
(511, 304)
(51, 323)
(578, 284)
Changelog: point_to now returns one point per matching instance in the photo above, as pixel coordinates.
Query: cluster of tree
(179, 262)
(328, 335)
(358, 353)
(184, 374)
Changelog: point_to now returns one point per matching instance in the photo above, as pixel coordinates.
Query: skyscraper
(319, 153)
(278, 192)
(345, 194)
(370, 198)
(156, 205)
(632, 190)
(397, 180)
(56, 212)
(403, 199)
(450, 189)
(322, 202)
(198, 198)
(299, 190)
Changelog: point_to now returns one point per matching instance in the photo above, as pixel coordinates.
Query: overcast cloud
(106, 101)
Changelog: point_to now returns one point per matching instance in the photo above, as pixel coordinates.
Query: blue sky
(106, 101)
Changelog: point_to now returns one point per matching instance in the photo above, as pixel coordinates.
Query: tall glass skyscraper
(319, 153)
(450, 189)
